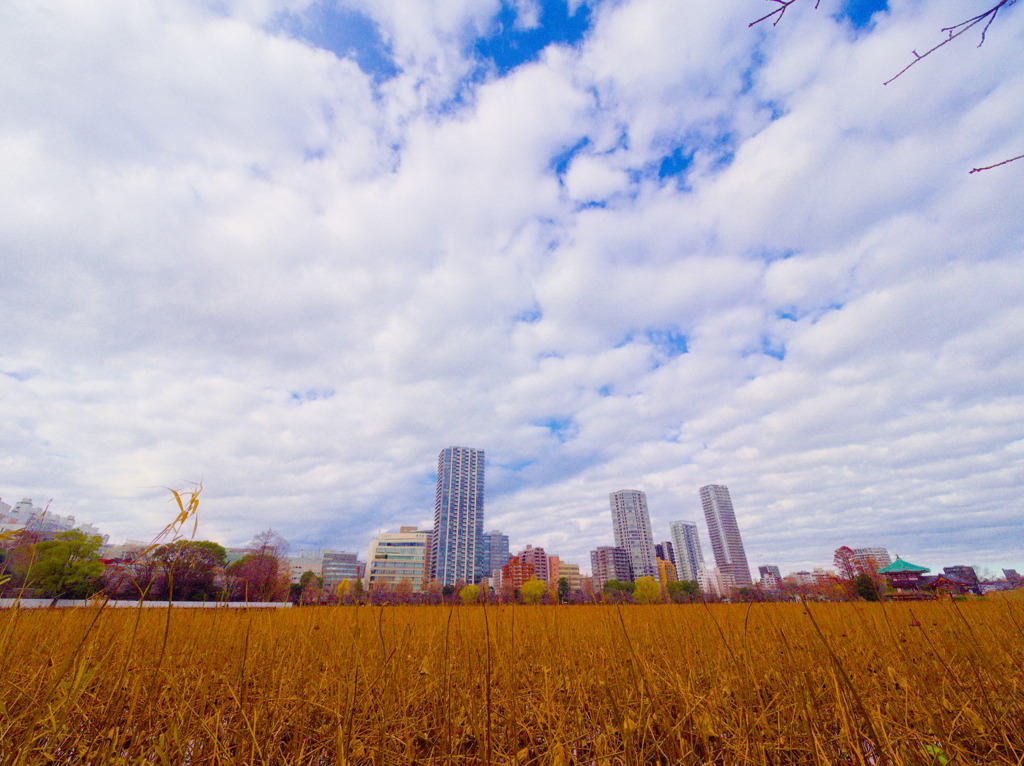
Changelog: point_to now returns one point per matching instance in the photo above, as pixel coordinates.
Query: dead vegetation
(925, 683)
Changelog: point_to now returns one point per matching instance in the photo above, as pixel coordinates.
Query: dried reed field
(922, 683)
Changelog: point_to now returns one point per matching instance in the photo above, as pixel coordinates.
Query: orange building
(554, 570)
(516, 572)
(666, 572)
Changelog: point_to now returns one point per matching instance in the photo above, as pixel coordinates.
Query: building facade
(610, 563)
(665, 551)
(24, 515)
(341, 565)
(570, 572)
(495, 553)
(726, 543)
(457, 546)
(631, 524)
(515, 573)
(962, 572)
(771, 577)
(689, 559)
(871, 559)
(666, 572)
(398, 557)
(714, 583)
(306, 561)
(538, 560)
(554, 570)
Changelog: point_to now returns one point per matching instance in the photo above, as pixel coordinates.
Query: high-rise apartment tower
(632, 526)
(689, 559)
(457, 547)
(726, 543)
(871, 559)
(495, 553)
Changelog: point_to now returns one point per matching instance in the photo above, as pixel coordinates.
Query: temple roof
(899, 565)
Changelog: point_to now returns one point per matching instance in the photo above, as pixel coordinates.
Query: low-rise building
(396, 557)
(24, 515)
(342, 566)
(666, 572)
(516, 572)
(571, 572)
(962, 573)
(538, 559)
(306, 561)
(554, 570)
(771, 577)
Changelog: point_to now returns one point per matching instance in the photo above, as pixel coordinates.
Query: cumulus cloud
(673, 252)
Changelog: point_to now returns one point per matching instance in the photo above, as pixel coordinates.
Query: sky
(291, 250)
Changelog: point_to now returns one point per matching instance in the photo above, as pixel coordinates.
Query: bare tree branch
(779, 12)
(985, 19)
(1004, 162)
(956, 30)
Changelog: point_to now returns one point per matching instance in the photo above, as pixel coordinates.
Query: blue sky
(859, 12)
(294, 249)
(344, 32)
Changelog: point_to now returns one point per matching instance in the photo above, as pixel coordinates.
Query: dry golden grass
(923, 683)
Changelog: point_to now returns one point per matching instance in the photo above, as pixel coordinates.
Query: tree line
(69, 566)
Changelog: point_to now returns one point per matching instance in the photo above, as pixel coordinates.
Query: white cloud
(228, 256)
(528, 13)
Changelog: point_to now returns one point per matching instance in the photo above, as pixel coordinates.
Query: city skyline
(618, 243)
(685, 540)
(404, 556)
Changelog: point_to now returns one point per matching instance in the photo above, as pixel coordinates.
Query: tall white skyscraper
(689, 559)
(457, 546)
(730, 557)
(632, 526)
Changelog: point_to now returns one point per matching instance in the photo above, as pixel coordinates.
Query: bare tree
(983, 20)
(846, 563)
(261, 574)
(270, 543)
(258, 577)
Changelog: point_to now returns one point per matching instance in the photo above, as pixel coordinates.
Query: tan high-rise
(730, 558)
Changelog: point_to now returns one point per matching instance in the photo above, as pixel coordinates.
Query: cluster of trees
(647, 590)
(262, 574)
(68, 566)
(184, 570)
(857, 580)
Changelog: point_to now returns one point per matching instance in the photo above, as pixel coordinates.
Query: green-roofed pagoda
(904, 578)
(899, 566)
